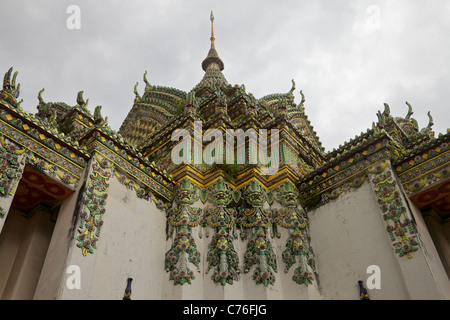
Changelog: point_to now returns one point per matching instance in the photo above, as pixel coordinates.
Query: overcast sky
(348, 57)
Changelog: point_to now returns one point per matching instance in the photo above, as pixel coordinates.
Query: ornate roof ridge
(362, 140)
(346, 147)
(426, 143)
(288, 94)
(165, 90)
(39, 124)
(294, 108)
(333, 161)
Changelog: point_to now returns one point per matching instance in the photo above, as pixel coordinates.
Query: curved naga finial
(145, 78)
(415, 123)
(11, 87)
(97, 113)
(98, 118)
(41, 101)
(430, 121)
(380, 117)
(17, 91)
(6, 79)
(13, 83)
(136, 92)
(387, 109)
(410, 112)
(80, 99)
(303, 98)
(293, 86)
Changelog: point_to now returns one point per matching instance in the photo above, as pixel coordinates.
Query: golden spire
(212, 64)
(212, 30)
(212, 60)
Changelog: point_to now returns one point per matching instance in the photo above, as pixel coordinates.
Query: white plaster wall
(10, 240)
(440, 233)
(348, 235)
(52, 278)
(436, 282)
(30, 256)
(131, 244)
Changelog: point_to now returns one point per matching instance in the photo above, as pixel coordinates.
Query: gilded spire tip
(212, 29)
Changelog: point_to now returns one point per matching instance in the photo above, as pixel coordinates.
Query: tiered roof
(141, 148)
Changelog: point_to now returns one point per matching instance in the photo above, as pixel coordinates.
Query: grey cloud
(346, 70)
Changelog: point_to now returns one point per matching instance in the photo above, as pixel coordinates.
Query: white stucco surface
(348, 235)
(131, 244)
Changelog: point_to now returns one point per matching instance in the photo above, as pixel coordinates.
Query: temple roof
(159, 106)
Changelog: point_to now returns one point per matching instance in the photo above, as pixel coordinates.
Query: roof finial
(212, 30)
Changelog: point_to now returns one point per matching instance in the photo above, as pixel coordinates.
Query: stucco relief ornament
(399, 225)
(94, 203)
(256, 215)
(10, 166)
(260, 253)
(183, 217)
(191, 104)
(259, 248)
(292, 218)
(142, 192)
(221, 254)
